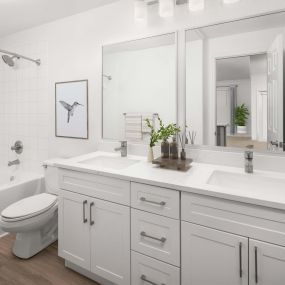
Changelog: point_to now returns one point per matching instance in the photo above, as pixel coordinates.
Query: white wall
(243, 95)
(74, 51)
(194, 88)
(143, 82)
(25, 108)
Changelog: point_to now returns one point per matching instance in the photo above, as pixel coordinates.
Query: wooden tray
(176, 164)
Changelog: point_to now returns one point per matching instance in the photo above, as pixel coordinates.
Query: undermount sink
(245, 181)
(117, 163)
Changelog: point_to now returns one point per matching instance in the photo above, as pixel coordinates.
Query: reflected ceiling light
(230, 1)
(196, 5)
(166, 8)
(140, 7)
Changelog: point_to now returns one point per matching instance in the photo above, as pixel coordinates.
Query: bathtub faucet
(14, 162)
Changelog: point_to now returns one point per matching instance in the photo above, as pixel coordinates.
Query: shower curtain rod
(37, 61)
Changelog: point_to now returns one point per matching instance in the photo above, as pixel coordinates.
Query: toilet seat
(29, 207)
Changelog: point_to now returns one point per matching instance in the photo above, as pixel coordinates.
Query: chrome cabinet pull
(162, 203)
(163, 239)
(256, 264)
(240, 260)
(144, 278)
(91, 221)
(84, 214)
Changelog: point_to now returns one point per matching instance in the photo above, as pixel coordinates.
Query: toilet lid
(29, 207)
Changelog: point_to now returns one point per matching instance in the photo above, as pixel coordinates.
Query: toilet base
(28, 244)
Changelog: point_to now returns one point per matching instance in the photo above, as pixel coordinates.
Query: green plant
(165, 132)
(241, 115)
(154, 135)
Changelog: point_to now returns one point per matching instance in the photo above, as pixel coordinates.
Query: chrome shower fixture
(9, 58)
(109, 77)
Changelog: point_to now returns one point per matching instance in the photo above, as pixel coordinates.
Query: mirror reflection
(139, 82)
(234, 86)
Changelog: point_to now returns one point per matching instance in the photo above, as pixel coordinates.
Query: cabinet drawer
(106, 188)
(253, 221)
(146, 269)
(156, 200)
(156, 236)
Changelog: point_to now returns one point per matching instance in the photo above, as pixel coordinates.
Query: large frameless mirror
(234, 83)
(139, 82)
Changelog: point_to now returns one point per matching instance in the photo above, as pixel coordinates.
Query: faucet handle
(124, 143)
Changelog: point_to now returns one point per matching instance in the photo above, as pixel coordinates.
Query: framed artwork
(71, 109)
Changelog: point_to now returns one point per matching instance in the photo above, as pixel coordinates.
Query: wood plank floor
(46, 268)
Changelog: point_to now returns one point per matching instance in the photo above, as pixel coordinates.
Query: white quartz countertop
(195, 180)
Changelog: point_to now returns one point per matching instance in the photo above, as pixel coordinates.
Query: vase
(150, 157)
(165, 149)
(241, 129)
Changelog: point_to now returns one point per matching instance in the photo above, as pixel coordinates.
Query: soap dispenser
(174, 149)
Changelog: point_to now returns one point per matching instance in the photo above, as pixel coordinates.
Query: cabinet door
(74, 232)
(267, 263)
(213, 257)
(110, 241)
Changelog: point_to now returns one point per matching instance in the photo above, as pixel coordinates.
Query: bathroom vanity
(129, 222)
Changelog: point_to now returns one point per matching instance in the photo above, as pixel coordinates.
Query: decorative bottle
(174, 149)
(165, 149)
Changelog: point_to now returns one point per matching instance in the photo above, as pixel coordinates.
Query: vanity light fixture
(166, 8)
(196, 5)
(230, 1)
(140, 7)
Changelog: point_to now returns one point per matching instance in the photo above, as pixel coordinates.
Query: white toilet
(34, 219)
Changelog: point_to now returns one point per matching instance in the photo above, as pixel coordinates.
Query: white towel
(133, 126)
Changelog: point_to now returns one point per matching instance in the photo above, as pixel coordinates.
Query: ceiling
(17, 15)
(270, 21)
(238, 68)
(233, 68)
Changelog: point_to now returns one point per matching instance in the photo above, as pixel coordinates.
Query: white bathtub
(22, 185)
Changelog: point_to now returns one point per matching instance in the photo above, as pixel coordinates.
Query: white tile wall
(24, 106)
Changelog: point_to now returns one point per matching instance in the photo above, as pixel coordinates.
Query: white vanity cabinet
(95, 234)
(220, 246)
(155, 235)
(121, 232)
(266, 263)
(110, 242)
(213, 257)
(74, 229)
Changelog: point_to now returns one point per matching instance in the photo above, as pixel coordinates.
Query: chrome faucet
(14, 162)
(248, 156)
(123, 148)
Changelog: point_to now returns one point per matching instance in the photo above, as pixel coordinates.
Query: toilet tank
(51, 177)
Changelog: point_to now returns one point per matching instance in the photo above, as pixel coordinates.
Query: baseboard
(88, 274)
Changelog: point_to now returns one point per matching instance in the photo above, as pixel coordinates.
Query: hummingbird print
(70, 108)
